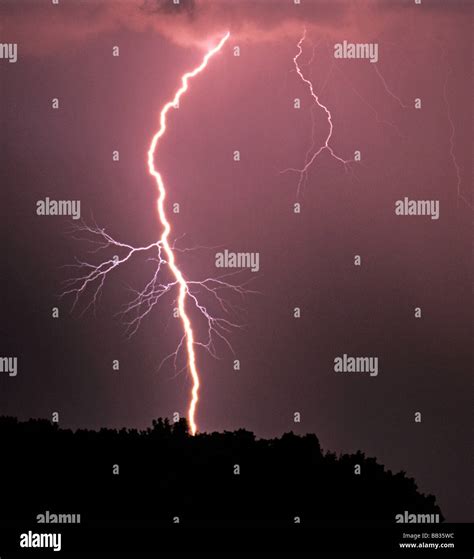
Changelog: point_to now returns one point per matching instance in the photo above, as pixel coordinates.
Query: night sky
(246, 103)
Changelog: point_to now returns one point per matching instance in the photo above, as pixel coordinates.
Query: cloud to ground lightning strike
(187, 290)
(145, 300)
(183, 288)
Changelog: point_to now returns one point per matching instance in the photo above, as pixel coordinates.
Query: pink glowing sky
(246, 103)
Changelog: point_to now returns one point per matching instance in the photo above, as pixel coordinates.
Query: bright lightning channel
(183, 287)
(92, 276)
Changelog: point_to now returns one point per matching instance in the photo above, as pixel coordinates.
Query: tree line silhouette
(164, 475)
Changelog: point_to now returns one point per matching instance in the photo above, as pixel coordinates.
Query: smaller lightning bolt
(326, 146)
(387, 89)
(371, 107)
(452, 135)
(451, 144)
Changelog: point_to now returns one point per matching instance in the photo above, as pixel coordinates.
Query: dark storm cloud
(42, 28)
(167, 7)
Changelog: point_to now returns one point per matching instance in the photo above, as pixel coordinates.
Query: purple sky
(246, 103)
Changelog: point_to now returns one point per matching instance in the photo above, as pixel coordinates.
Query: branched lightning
(326, 146)
(183, 287)
(313, 151)
(162, 253)
(92, 276)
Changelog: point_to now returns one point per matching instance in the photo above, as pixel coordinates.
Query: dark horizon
(232, 467)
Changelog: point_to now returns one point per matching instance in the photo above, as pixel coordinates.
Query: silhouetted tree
(164, 471)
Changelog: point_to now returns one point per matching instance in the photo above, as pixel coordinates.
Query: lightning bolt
(326, 146)
(183, 287)
(387, 89)
(146, 299)
(452, 144)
